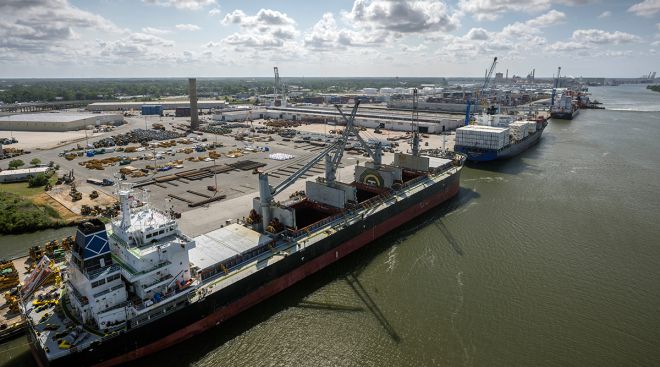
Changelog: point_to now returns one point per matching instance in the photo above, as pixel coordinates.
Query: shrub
(38, 180)
(16, 163)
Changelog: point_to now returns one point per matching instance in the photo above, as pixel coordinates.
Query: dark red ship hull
(238, 297)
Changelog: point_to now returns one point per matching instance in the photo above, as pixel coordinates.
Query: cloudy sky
(213, 38)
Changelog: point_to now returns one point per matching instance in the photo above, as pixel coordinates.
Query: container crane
(554, 88)
(487, 78)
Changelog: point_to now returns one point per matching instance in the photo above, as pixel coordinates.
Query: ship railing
(91, 275)
(157, 281)
(82, 300)
(118, 305)
(131, 273)
(140, 305)
(118, 286)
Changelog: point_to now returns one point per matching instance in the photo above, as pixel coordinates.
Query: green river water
(549, 259)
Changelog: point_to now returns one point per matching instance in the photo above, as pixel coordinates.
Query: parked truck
(103, 182)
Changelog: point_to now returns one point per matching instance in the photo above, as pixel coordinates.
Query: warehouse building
(166, 105)
(428, 123)
(18, 175)
(57, 121)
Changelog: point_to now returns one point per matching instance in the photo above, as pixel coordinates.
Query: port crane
(487, 79)
(332, 155)
(554, 88)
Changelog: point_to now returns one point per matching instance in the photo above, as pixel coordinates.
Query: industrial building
(57, 121)
(371, 118)
(166, 105)
(18, 175)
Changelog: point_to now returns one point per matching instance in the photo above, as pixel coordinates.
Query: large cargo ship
(140, 285)
(566, 108)
(501, 138)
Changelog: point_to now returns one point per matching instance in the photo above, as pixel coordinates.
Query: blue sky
(214, 38)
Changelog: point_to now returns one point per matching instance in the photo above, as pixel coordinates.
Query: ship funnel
(125, 205)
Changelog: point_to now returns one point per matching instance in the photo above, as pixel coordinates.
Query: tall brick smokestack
(192, 92)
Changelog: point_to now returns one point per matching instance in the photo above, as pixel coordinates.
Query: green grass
(22, 188)
(19, 214)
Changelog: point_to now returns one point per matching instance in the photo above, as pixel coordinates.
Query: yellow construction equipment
(8, 275)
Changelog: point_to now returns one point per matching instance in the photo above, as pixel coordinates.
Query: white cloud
(603, 37)
(646, 8)
(325, 35)
(41, 25)
(513, 41)
(268, 29)
(402, 16)
(182, 4)
(156, 31)
(477, 34)
(550, 18)
(493, 9)
(211, 44)
(567, 46)
(187, 27)
(605, 14)
(215, 12)
(264, 17)
(149, 40)
(534, 25)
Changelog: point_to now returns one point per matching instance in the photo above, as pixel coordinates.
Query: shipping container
(182, 112)
(152, 110)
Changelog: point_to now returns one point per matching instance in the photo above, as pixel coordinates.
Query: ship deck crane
(554, 88)
(266, 192)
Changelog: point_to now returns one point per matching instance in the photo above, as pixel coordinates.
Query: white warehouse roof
(52, 117)
(24, 171)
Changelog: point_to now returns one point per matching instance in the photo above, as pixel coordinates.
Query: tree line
(48, 90)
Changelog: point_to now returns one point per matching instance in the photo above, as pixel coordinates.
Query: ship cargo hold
(142, 285)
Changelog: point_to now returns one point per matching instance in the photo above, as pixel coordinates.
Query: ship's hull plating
(220, 306)
(485, 155)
